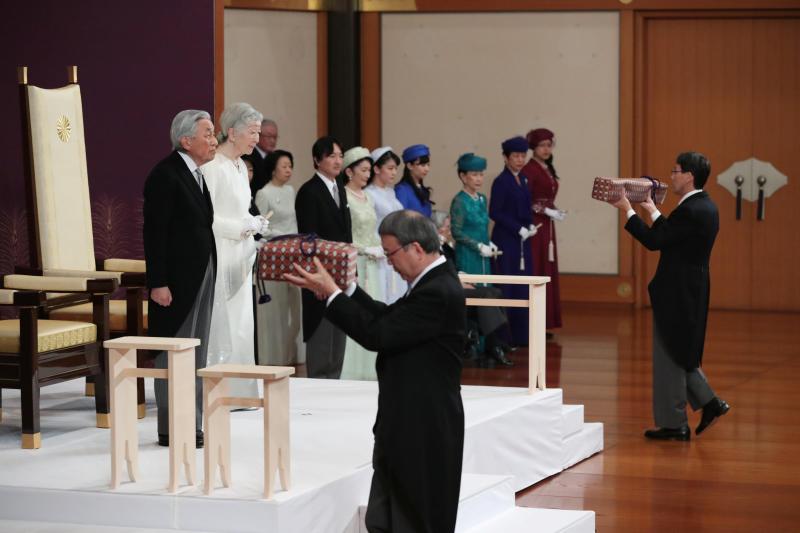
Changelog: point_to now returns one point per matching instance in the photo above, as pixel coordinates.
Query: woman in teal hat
(469, 217)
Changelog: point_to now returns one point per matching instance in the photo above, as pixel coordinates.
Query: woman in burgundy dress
(543, 185)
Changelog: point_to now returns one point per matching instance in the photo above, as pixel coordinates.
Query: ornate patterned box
(279, 254)
(636, 189)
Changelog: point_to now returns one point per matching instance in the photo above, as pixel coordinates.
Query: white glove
(264, 225)
(524, 233)
(555, 214)
(250, 226)
(374, 252)
(494, 247)
(533, 230)
(485, 250)
(260, 244)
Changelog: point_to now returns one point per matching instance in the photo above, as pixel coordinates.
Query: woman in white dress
(279, 318)
(359, 363)
(231, 336)
(381, 191)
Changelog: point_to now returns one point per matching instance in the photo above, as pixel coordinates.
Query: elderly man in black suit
(419, 430)
(679, 293)
(267, 141)
(321, 208)
(180, 251)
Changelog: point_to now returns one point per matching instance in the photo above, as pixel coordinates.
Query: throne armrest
(125, 265)
(94, 274)
(59, 284)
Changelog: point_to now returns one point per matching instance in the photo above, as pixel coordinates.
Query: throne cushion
(117, 314)
(53, 335)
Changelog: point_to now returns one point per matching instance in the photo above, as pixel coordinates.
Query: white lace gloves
(485, 250)
(253, 225)
(555, 214)
(374, 252)
(528, 232)
(494, 248)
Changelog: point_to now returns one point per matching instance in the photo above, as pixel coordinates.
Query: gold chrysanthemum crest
(63, 129)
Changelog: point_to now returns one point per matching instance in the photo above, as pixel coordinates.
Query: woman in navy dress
(411, 191)
(510, 209)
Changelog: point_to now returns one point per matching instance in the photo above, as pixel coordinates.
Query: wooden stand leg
(181, 377)
(124, 436)
(89, 389)
(217, 423)
(276, 434)
(141, 408)
(537, 321)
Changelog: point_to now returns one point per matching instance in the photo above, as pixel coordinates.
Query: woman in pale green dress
(359, 363)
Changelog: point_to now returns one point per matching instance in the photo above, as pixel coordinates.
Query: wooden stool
(122, 374)
(217, 421)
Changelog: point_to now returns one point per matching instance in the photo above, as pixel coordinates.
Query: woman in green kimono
(469, 215)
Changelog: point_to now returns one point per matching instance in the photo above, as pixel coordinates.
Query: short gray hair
(439, 217)
(409, 226)
(185, 125)
(237, 116)
(268, 122)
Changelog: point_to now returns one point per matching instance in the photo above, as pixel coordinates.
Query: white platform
(512, 441)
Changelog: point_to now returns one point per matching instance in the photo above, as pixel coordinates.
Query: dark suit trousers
(386, 510)
(195, 326)
(673, 385)
(325, 351)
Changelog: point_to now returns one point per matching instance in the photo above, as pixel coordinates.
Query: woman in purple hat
(543, 185)
(411, 191)
(510, 208)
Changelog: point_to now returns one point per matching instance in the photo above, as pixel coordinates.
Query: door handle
(761, 181)
(739, 181)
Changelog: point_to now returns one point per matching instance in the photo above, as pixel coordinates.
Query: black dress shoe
(163, 440)
(711, 413)
(681, 433)
(499, 355)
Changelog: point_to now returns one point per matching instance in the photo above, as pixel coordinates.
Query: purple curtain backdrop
(139, 63)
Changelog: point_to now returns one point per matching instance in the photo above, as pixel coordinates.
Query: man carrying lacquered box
(679, 293)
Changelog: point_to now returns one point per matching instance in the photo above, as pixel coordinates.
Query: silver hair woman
(185, 125)
(231, 337)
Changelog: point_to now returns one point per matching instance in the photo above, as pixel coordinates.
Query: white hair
(185, 125)
(237, 116)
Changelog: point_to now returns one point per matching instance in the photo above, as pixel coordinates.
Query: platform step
(482, 498)
(571, 419)
(583, 444)
(530, 520)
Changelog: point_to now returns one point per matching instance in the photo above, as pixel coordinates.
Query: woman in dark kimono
(543, 185)
(510, 209)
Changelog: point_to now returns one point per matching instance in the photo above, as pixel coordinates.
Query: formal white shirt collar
(189, 162)
(329, 183)
(261, 152)
(688, 194)
(439, 261)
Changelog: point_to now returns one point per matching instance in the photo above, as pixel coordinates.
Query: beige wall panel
(466, 82)
(271, 63)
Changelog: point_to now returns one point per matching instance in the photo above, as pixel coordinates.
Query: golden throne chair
(60, 220)
(35, 352)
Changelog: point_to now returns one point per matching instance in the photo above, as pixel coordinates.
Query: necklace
(358, 194)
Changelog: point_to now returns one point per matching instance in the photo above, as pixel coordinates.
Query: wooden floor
(743, 474)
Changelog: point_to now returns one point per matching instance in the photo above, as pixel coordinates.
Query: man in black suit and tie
(180, 251)
(419, 430)
(321, 208)
(679, 293)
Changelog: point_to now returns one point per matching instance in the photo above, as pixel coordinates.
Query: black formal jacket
(419, 430)
(178, 240)
(680, 288)
(317, 213)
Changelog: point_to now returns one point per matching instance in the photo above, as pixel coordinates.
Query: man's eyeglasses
(390, 254)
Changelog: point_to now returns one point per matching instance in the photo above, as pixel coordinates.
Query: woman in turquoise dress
(469, 215)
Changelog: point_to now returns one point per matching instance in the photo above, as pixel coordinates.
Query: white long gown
(386, 202)
(231, 337)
